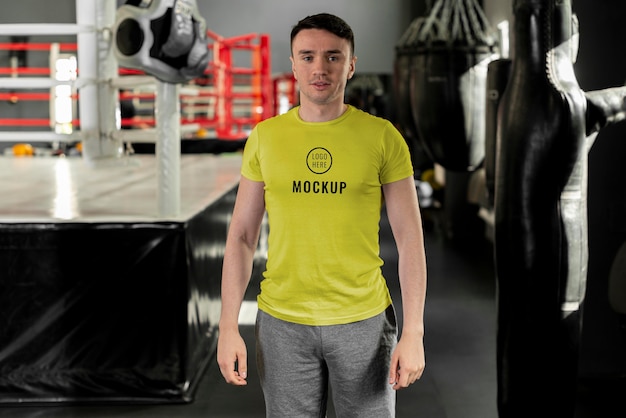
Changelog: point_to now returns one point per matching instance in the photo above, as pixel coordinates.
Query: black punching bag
(497, 79)
(404, 52)
(448, 83)
(540, 216)
(401, 78)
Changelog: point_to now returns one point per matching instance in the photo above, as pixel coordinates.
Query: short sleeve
(397, 163)
(250, 164)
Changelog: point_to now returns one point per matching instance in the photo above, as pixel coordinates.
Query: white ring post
(167, 113)
(97, 64)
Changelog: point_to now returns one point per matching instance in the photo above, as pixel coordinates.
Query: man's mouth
(320, 83)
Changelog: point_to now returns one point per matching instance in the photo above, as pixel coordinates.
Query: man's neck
(314, 113)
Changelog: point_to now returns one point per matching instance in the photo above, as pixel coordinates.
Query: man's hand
(407, 362)
(232, 357)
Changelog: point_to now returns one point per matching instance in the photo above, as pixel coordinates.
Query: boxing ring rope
(32, 83)
(45, 28)
(22, 78)
(228, 100)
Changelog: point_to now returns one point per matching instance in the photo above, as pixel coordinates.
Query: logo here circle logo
(319, 160)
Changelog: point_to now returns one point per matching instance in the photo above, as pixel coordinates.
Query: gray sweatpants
(297, 362)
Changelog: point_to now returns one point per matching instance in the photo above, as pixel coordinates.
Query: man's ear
(352, 67)
(293, 68)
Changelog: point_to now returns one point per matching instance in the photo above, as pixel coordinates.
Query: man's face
(322, 63)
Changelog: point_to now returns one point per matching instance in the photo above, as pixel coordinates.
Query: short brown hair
(326, 21)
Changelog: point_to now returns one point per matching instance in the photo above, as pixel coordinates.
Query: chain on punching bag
(448, 83)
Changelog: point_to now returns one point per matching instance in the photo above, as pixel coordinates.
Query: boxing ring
(103, 299)
(110, 262)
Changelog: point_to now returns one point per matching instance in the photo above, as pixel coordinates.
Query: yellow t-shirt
(323, 198)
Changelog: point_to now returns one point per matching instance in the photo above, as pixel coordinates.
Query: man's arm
(241, 244)
(408, 360)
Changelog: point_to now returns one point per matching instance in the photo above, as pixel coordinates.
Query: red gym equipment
(236, 91)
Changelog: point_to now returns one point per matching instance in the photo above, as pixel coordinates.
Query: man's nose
(320, 66)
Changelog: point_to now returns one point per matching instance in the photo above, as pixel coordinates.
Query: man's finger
(241, 366)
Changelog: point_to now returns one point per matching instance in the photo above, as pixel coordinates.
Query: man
(322, 172)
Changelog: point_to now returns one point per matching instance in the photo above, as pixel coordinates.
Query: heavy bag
(540, 216)
(448, 90)
(402, 94)
(402, 78)
(498, 72)
(448, 83)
